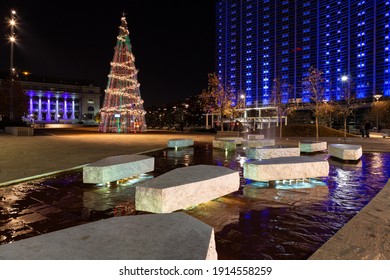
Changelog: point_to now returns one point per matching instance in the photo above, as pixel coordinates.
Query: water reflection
(287, 221)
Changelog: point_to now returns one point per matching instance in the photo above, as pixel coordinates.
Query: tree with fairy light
(122, 110)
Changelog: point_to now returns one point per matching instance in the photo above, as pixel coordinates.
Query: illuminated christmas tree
(122, 110)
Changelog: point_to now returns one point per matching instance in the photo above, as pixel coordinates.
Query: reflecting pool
(290, 220)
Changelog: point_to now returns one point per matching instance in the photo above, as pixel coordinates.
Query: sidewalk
(53, 150)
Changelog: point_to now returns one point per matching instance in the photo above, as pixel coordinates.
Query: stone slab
(117, 167)
(224, 144)
(180, 143)
(228, 133)
(285, 168)
(185, 187)
(255, 136)
(237, 140)
(175, 236)
(345, 151)
(312, 146)
(272, 152)
(258, 143)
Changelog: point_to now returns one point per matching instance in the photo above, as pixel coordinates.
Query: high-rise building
(258, 41)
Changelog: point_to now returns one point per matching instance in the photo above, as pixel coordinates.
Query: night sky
(172, 40)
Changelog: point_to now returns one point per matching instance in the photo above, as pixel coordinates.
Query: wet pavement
(253, 223)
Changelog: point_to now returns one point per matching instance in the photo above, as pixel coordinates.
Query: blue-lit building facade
(54, 100)
(258, 41)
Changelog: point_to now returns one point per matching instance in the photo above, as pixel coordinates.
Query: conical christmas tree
(122, 110)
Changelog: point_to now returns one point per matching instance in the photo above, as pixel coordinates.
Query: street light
(12, 39)
(377, 96)
(243, 97)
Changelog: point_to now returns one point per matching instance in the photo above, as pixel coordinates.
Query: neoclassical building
(53, 100)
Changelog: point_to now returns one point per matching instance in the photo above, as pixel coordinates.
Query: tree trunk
(345, 128)
(280, 125)
(317, 128)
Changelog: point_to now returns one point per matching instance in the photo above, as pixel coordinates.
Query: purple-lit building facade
(61, 101)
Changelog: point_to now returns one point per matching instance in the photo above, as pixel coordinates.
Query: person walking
(367, 127)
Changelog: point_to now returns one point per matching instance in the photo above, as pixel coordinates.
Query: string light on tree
(122, 110)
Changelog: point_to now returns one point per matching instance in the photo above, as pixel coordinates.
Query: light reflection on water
(257, 222)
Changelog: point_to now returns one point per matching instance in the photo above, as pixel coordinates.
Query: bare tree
(279, 94)
(218, 98)
(348, 104)
(13, 100)
(314, 84)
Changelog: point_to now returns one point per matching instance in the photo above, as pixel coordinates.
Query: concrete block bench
(175, 236)
(180, 143)
(185, 187)
(255, 136)
(225, 144)
(312, 146)
(228, 134)
(285, 168)
(345, 151)
(117, 167)
(258, 143)
(272, 152)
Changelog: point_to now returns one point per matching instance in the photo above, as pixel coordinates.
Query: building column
(40, 109)
(65, 116)
(48, 114)
(31, 106)
(72, 117)
(56, 116)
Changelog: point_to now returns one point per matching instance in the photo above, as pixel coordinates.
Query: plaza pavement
(51, 150)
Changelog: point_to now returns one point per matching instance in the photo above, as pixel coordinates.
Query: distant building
(258, 41)
(54, 100)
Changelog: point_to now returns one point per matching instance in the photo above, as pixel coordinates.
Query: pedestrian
(362, 132)
(367, 127)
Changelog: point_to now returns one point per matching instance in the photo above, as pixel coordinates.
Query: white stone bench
(258, 143)
(312, 146)
(180, 143)
(228, 134)
(237, 140)
(345, 151)
(285, 168)
(272, 152)
(117, 167)
(175, 236)
(225, 144)
(185, 187)
(255, 136)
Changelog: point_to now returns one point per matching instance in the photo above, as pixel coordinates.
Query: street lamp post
(12, 40)
(243, 97)
(377, 96)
